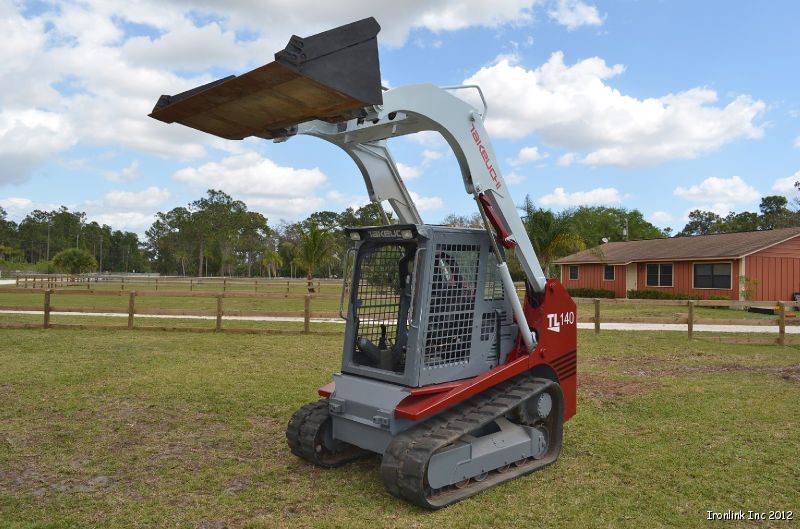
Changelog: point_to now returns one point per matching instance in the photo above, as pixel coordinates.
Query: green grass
(149, 429)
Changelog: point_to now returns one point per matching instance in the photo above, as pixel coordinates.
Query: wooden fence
(218, 314)
(690, 319)
(128, 282)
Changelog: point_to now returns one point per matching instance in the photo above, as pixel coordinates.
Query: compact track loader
(446, 375)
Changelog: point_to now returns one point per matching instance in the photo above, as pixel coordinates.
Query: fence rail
(220, 311)
(690, 319)
(126, 282)
(218, 314)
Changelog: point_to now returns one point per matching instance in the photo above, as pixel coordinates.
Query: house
(765, 263)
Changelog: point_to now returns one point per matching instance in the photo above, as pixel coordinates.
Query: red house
(767, 263)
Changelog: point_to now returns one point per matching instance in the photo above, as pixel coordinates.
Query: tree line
(216, 235)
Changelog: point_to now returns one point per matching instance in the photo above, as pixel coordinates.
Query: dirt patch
(608, 389)
(682, 370)
(789, 373)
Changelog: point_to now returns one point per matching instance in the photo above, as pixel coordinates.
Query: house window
(608, 273)
(659, 275)
(573, 272)
(712, 275)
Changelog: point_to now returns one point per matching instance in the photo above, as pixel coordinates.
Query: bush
(657, 294)
(590, 293)
(75, 261)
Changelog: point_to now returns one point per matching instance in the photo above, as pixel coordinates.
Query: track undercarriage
(512, 429)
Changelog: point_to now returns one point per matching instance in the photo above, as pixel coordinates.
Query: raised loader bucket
(330, 76)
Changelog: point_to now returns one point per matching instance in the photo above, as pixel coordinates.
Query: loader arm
(325, 86)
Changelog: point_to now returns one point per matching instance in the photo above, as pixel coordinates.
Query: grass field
(109, 429)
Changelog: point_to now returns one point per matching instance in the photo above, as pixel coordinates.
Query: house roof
(719, 246)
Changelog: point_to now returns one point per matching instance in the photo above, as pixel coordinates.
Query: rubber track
(302, 432)
(405, 462)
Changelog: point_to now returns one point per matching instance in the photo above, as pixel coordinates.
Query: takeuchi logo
(385, 234)
(485, 156)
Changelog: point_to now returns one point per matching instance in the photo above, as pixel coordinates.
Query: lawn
(149, 429)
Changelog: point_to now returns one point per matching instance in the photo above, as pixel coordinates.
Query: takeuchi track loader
(446, 375)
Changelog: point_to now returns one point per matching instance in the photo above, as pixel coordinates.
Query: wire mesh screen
(448, 335)
(378, 295)
(493, 287)
(488, 325)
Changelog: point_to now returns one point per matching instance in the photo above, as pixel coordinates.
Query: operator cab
(406, 274)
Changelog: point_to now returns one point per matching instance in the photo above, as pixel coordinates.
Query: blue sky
(660, 106)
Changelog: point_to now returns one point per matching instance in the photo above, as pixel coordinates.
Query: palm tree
(552, 235)
(272, 261)
(312, 249)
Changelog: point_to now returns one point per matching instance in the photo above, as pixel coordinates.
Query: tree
(75, 261)
(463, 221)
(595, 223)
(272, 262)
(701, 223)
(552, 235)
(775, 213)
(314, 248)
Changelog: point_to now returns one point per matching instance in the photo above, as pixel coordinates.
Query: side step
(330, 76)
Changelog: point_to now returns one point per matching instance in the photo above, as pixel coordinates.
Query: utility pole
(47, 257)
(101, 253)
(625, 229)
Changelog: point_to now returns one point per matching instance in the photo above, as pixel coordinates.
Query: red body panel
(555, 324)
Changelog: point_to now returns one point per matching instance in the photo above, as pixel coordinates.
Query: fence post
(218, 328)
(46, 322)
(123, 284)
(156, 284)
(256, 286)
(307, 315)
(224, 284)
(690, 319)
(782, 324)
(597, 316)
(191, 285)
(131, 308)
(287, 289)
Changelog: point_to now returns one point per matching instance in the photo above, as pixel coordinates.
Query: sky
(662, 106)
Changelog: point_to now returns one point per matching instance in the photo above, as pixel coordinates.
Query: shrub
(590, 293)
(657, 294)
(75, 261)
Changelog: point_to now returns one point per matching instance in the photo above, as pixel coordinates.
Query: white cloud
(250, 174)
(527, 155)
(514, 178)
(126, 174)
(797, 142)
(134, 221)
(431, 156)
(426, 203)
(573, 107)
(427, 138)
(408, 172)
(567, 159)
(574, 14)
(28, 139)
(600, 195)
(149, 198)
(16, 207)
(719, 195)
(786, 185)
(660, 217)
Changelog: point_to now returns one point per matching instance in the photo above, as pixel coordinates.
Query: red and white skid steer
(445, 374)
